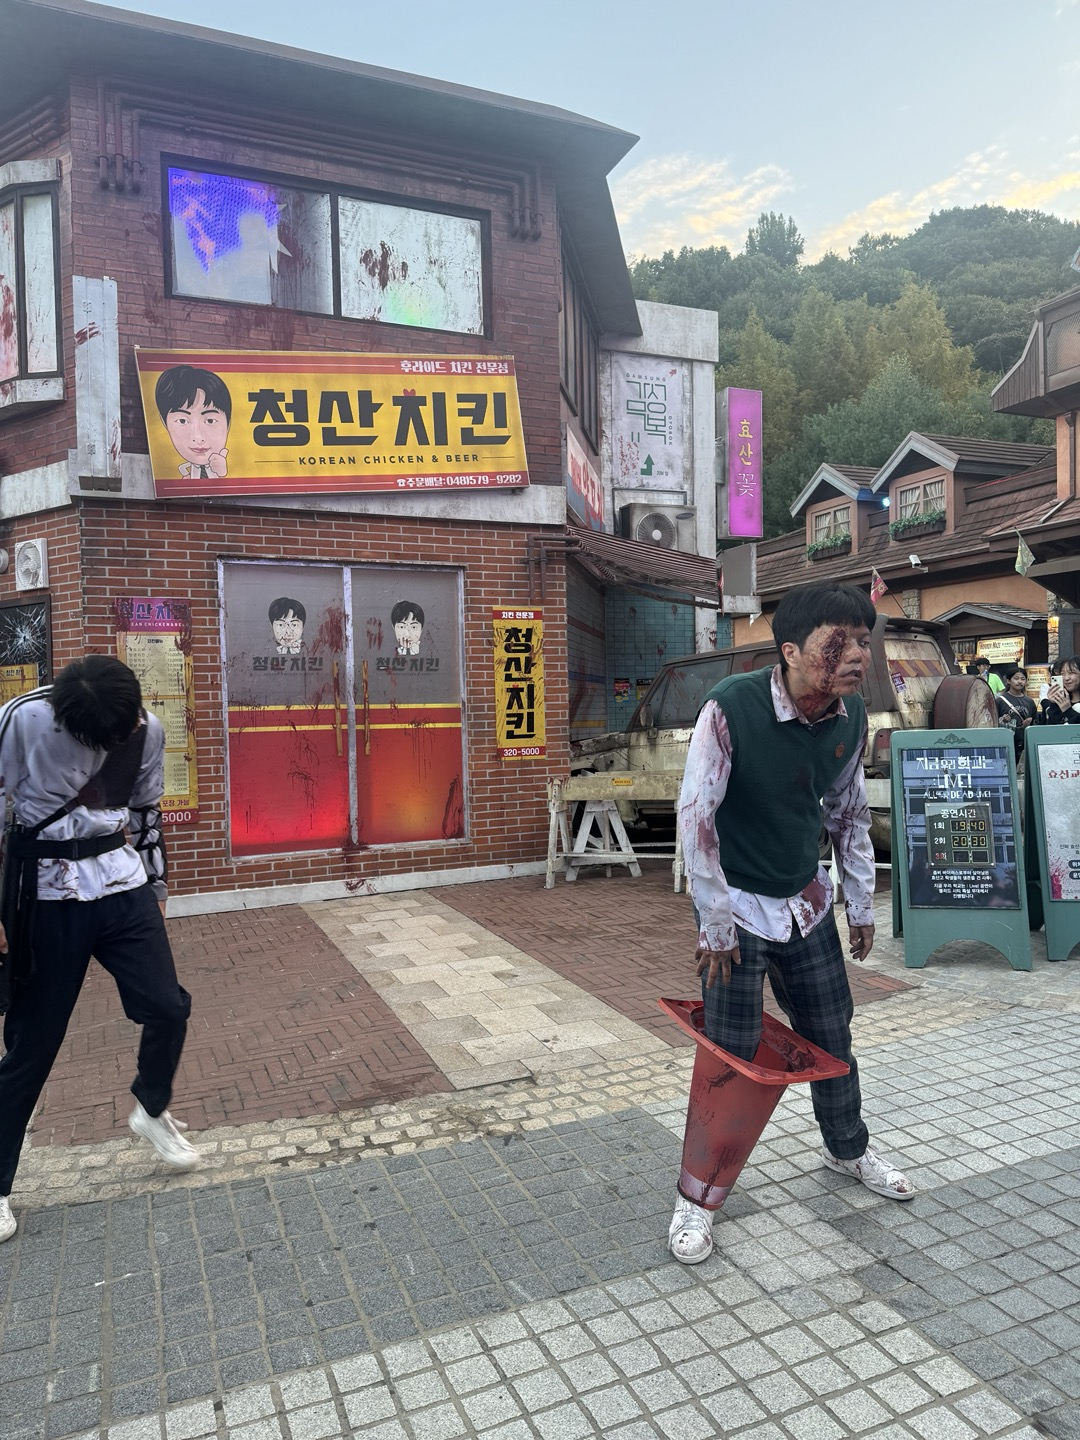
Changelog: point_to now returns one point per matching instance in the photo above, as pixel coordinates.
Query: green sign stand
(957, 862)
(1052, 834)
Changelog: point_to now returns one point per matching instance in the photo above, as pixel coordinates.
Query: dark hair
(981, 660)
(403, 609)
(280, 608)
(97, 700)
(806, 607)
(177, 387)
(1016, 670)
(1073, 660)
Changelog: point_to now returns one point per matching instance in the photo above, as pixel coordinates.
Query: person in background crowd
(1016, 710)
(1044, 689)
(772, 754)
(1062, 703)
(982, 668)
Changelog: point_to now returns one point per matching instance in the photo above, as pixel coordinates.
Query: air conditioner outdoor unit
(671, 527)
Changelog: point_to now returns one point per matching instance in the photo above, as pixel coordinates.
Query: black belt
(67, 849)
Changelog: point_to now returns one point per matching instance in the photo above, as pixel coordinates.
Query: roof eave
(823, 475)
(936, 454)
(44, 36)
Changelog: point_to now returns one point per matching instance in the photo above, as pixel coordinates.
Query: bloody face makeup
(832, 661)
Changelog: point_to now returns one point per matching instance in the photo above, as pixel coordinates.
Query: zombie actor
(84, 875)
(773, 753)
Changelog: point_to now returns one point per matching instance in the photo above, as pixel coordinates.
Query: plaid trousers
(810, 983)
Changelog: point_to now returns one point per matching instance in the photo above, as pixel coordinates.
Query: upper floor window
(579, 352)
(29, 272)
(324, 251)
(920, 499)
(831, 524)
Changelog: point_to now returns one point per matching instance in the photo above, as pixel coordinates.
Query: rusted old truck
(913, 683)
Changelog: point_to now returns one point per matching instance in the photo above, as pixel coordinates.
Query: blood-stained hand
(862, 940)
(717, 962)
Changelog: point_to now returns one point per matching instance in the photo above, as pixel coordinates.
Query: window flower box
(911, 527)
(828, 549)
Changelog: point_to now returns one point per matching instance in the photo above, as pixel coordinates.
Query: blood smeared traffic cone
(731, 1100)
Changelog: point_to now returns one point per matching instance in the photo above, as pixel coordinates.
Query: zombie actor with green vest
(773, 753)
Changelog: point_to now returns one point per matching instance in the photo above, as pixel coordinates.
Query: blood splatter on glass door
(410, 766)
(286, 694)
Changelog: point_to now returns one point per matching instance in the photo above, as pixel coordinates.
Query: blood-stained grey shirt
(42, 767)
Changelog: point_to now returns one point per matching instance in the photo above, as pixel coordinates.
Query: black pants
(126, 935)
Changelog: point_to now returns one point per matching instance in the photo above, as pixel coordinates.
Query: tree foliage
(905, 333)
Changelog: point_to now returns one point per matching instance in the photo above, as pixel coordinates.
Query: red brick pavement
(623, 940)
(281, 1026)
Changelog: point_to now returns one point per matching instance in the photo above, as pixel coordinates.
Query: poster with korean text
(153, 637)
(286, 713)
(648, 416)
(520, 732)
(289, 422)
(1059, 779)
(410, 742)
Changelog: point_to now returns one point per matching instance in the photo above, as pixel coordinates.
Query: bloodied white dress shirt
(42, 767)
(721, 906)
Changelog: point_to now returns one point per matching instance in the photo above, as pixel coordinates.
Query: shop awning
(628, 562)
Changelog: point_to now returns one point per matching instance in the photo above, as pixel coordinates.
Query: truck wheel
(964, 702)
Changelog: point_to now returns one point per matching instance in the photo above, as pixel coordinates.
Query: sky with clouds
(849, 115)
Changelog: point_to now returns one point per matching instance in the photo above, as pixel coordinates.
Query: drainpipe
(1070, 421)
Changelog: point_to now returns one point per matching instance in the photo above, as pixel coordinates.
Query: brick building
(157, 197)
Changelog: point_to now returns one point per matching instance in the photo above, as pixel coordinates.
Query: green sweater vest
(770, 820)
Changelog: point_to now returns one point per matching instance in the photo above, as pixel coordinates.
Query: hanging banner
(291, 422)
(519, 683)
(584, 492)
(647, 422)
(744, 463)
(153, 637)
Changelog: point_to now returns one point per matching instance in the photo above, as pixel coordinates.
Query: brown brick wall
(121, 235)
(103, 549)
(172, 550)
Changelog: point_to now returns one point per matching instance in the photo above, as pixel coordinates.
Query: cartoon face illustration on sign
(287, 617)
(195, 407)
(407, 619)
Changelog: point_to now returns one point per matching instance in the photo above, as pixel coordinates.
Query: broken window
(251, 241)
(262, 242)
(405, 266)
(29, 341)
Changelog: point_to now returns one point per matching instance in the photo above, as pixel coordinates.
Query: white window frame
(837, 523)
(928, 495)
(28, 388)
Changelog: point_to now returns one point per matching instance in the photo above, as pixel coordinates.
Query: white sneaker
(690, 1232)
(874, 1172)
(8, 1224)
(164, 1134)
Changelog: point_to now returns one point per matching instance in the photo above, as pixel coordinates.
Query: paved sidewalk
(482, 1255)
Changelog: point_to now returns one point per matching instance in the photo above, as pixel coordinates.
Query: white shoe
(164, 1134)
(690, 1232)
(874, 1172)
(8, 1224)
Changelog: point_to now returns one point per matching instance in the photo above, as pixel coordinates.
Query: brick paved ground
(284, 1026)
(281, 1026)
(626, 941)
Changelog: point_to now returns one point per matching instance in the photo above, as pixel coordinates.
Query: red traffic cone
(731, 1100)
